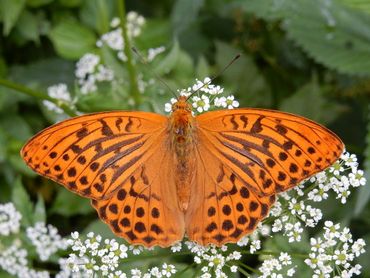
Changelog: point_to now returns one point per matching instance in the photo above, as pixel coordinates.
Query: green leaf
(363, 194)
(320, 27)
(70, 3)
(202, 69)
(72, 40)
(100, 228)
(39, 214)
(97, 13)
(15, 126)
(68, 204)
(319, 109)
(44, 73)
(185, 13)
(38, 3)
(243, 78)
(168, 62)
(27, 26)
(361, 5)
(9, 12)
(155, 32)
(22, 202)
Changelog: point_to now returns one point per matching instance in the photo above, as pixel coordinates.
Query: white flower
(234, 268)
(86, 65)
(9, 219)
(153, 52)
(255, 245)
(134, 23)
(168, 270)
(285, 258)
(46, 240)
(176, 247)
(231, 103)
(59, 92)
(201, 103)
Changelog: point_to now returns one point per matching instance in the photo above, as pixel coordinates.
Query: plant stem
(143, 257)
(296, 255)
(39, 95)
(249, 268)
(134, 90)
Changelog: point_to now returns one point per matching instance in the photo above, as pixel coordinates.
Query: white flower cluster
(333, 254)
(94, 256)
(291, 208)
(46, 240)
(337, 179)
(207, 99)
(167, 270)
(212, 259)
(89, 71)
(59, 92)
(277, 267)
(114, 39)
(14, 261)
(9, 219)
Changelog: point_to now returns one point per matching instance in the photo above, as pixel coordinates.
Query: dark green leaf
(169, 62)
(9, 12)
(185, 12)
(243, 77)
(68, 204)
(309, 101)
(27, 26)
(72, 40)
(38, 3)
(97, 13)
(22, 202)
(363, 194)
(70, 3)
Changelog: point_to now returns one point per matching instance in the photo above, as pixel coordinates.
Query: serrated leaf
(39, 214)
(22, 202)
(329, 32)
(9, 12)
(363, 194)
(72, 39)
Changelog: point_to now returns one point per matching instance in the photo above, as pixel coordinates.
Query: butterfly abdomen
(182, 144)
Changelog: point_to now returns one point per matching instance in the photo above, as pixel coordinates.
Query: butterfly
(154, 178)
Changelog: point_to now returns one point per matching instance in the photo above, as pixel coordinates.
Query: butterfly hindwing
(144, 209)
(223, 208)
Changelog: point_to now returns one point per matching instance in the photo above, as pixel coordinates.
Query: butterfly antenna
(145, 62)
(217, 75)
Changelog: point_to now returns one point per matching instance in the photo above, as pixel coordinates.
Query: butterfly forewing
(93, 154)
(270, 151)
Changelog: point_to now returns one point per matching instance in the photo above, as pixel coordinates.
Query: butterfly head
(182, 105)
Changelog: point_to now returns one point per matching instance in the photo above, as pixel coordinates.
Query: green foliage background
(310, 57)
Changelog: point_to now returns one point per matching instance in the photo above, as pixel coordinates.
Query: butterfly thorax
(182, 136)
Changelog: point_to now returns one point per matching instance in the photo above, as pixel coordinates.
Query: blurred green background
(310, 57)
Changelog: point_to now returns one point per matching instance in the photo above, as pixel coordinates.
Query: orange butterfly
(153, 178)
